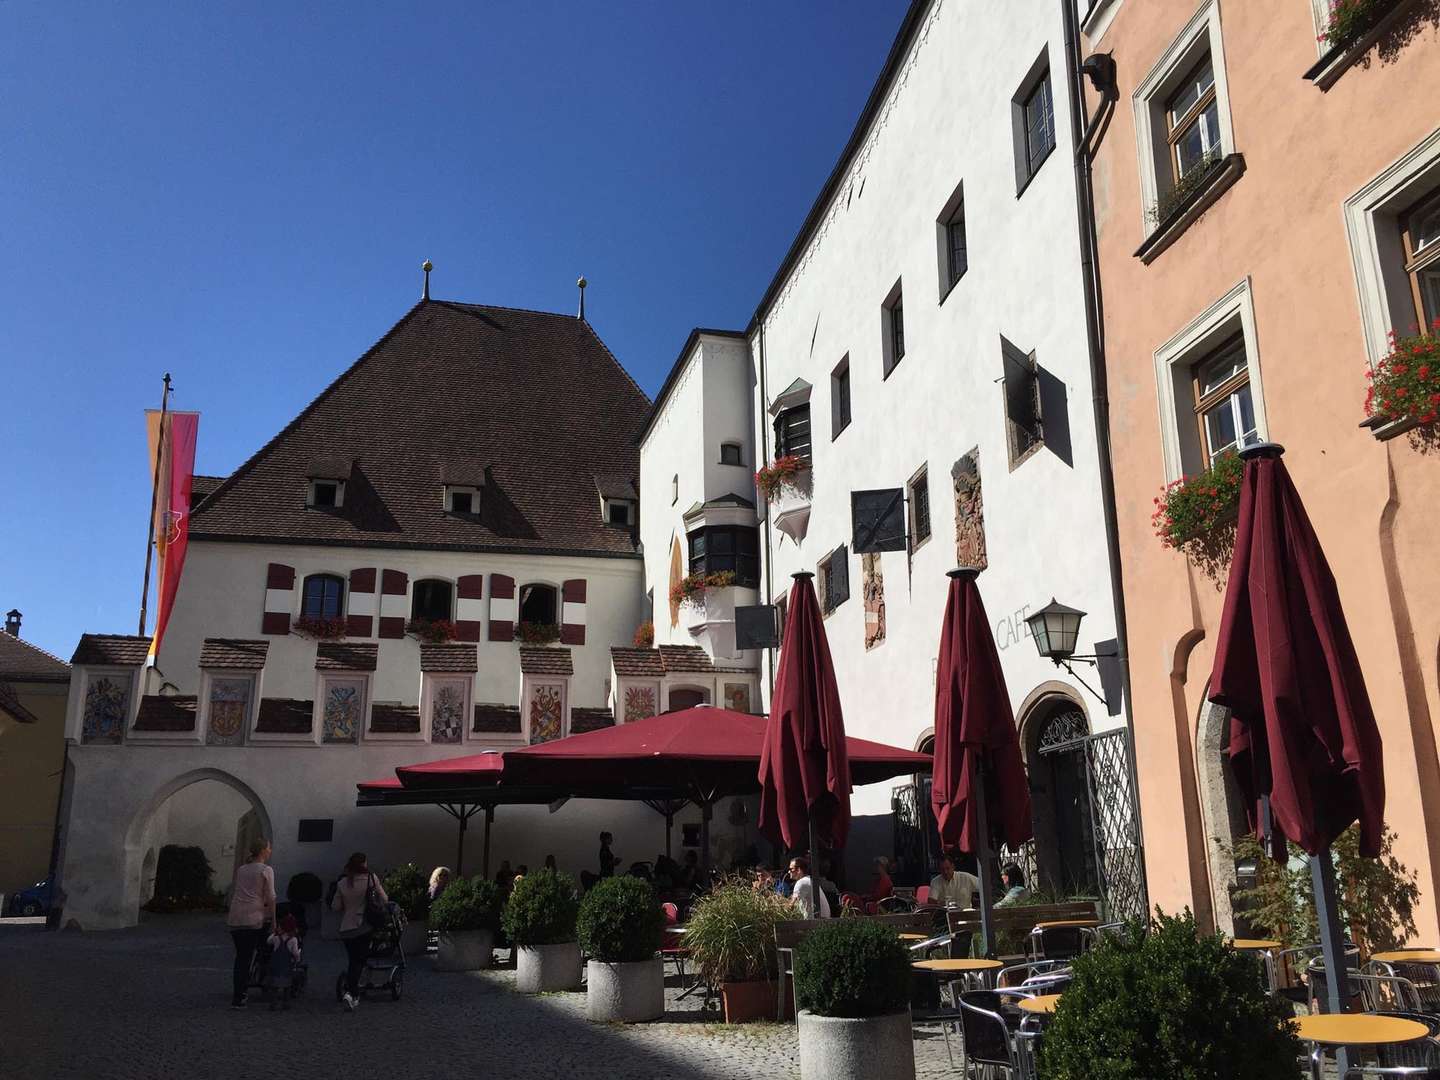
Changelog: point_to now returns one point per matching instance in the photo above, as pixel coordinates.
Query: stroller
(385, 963)
(265, 973)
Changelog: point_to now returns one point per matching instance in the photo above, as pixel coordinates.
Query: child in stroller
(284, 964)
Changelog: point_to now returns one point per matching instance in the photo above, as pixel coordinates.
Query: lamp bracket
(1093, 661)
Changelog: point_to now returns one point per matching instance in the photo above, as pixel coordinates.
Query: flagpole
(154, 497)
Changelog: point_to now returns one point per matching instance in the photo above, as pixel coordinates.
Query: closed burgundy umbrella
(804, 768)
(979, 788)
(1303, 737)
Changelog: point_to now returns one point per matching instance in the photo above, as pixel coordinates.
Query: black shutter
(840, 588)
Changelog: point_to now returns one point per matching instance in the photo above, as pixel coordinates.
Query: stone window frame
(202, 705)
(1174, 364)
(429, 681)
(917, 482)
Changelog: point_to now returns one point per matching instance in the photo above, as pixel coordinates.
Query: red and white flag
(172, 465)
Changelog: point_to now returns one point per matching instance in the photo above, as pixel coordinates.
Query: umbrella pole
(1332, 942)
(669, 829)
(489, 820)
(464, 819)
(706, 808)
(982, 822)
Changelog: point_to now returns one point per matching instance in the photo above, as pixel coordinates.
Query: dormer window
(326, 493)
(462, 500)
(619, 512)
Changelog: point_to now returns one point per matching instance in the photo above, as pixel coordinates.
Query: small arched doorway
(1065, 855)
(687, 697)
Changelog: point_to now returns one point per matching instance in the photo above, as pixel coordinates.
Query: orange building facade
(1265, 204)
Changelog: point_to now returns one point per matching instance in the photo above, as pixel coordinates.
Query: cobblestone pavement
(150, 1003)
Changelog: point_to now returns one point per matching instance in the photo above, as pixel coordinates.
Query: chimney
(12, 623)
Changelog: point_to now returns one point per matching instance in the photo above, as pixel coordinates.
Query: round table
(1255, 944)
(962, 966)
(1354, 1029)
(1408, 956)
(1057, 924)
(1041, 1003)
(914, 937)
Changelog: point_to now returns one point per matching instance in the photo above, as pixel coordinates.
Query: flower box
(1404, 391)
(537, 633)
(1196, 514)
(782, 473)
(434, 631)
(321, 628)
(690, 591)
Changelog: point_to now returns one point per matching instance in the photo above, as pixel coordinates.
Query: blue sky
(242, 195)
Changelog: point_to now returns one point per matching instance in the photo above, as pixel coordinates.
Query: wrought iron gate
(1115, 825)
(916, 837)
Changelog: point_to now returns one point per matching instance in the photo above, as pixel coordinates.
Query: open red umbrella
(1303, 737)
(804, 770)
(979, 787)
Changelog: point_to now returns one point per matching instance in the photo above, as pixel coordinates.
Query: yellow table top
(1041, 1003)
(1250, 944)
(1408, 956)
(961, 965)
(1055, 924)
(1358, 1029)
(915, 937)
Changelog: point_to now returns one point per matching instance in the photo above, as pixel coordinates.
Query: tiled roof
(201, 487)
(616, 485)
(685, 659)
(546, 660)
(22, 662)
(10, 705)
(285, 716)
(493, 717)
(127, 650)
(163, 712)
(461, 659)
(636, 662)
(582, 720)
(346, 656)
(535, 396)
(394, 719)
(233, 653)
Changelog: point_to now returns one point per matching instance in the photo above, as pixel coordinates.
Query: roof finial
(582, 283)
(427, 266)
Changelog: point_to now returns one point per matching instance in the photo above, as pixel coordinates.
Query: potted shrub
(466, 915)
(645, 635)
(731, 938)
(852, 985)
(540, 921)
(1168, 1002)
(407, 887)
(619, 926)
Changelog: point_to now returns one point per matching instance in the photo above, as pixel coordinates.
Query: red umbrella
(472, 770)
(980, 786)
(1302, 734)
(804, 770)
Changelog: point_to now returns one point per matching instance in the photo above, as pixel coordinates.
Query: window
(462, 500)
(1420, 237)
(792, 432)
(952, 249)
(1032, 121)
(674, 489)
(538, 606)
(326, 494)
(834, 578)
(720, 548)
(1022, 402)
(892, 318)
(617, 511)
(919, 508)
(840, 398)
(1192, 115)
(730, 454)
(431, 600)
(324, 597)
(1223, 406)
(955, 245)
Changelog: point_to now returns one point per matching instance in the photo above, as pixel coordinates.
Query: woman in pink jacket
(350, 893)
(252, 908)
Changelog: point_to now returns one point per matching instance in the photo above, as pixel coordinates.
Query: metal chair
(989, 1045)
(1318, 983)
(1424, 977)
(1018, 974)
(927, 1006)
(1057, 942)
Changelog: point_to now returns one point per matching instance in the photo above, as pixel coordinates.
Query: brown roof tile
(460, 659)
(546, 660)
(685, 659)
(164, 712)
(10, 705)
(285, 716)
(126, 650)
(493, 717)
(233, 653)
(394, 719)
(346, 656)
(616, 485)
(582, 720)
(500, 377)
(22, 662)
(636, 662)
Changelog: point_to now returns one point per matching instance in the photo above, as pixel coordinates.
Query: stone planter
(542, 968)
(746, 1002)
(839, 1048)
(465, 950)
(624, 992)
(413, 937)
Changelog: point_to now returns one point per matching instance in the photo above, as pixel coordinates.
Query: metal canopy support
(986, 859)
(462, 814)
(489, 820)
(1332, 943)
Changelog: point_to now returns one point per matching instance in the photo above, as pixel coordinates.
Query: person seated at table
(439, 879)
(807, 895)
(690, 872)
(951, 887)
(764, 880)
(1013, 878)
(881, 887)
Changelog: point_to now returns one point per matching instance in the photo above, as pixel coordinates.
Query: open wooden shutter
(393, 584)
(572, 612)
(469, 606)
(360, 613)
(279, 599)
(504, 611)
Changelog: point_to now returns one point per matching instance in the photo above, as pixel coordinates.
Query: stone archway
(138, 833)
(1221, 808)
(1053, 725)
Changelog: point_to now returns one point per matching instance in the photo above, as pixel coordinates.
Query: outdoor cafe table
(1040, 1004)
(1408, 956)
(1255, 944)
(914, 937)
(961, 968)
(1058, 924)
(1354, 1029)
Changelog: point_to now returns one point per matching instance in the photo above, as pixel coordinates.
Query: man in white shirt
(808, 896)
(951, 887)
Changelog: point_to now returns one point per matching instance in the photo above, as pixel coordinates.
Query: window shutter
(360, 615)
(503, 608)
(279, 599)
(1022, 400)
(393, 584)
(840, 576)
(572, 612)
(469, 606)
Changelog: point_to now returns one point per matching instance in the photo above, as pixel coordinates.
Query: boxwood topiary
(1169, 1003)
(854, 968)
(620, 921)
(541, 909)
(406, 885)
(467, 904)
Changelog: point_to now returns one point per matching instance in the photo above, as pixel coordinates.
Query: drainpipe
(1099, 383)
(765, 458)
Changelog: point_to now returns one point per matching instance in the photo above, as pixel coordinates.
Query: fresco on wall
(874, 593)
(107, 703)
(639, 703)
(229, 706)
(737, 697)
(547, 713)
(969, 512)
(677, 573)
(447, 713)
(344, 701)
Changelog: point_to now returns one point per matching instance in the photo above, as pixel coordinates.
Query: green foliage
(620, 921)
(1171, 201)
(407, 886)
(467, 904)
(852, 967)
(541, 909)
(1352, 19)
(182, 873)
(1168, 1003)
(1405, 384)
(731, 933)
